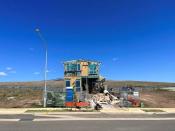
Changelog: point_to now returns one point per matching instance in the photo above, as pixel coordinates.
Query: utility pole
(46, 63)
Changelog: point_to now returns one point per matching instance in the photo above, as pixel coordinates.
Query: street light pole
(46, 63)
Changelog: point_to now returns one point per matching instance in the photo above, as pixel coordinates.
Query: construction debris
(127, 98)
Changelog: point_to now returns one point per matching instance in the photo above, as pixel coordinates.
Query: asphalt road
(87, 122)
(89, 126)
(30, 117)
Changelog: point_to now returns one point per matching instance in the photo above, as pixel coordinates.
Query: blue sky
(134, 39)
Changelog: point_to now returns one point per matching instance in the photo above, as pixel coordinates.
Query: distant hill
(33, 84)
(113, 83)
(59, 83)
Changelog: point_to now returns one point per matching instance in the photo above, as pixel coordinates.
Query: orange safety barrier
(82, 104)
(70, 104)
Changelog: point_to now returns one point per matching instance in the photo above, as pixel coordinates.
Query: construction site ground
(29, 98)
(158, 98)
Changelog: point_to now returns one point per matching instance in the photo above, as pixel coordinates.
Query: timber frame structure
(83, 76)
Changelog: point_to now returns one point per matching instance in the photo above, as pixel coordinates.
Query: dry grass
(158, 98)
(20, 98)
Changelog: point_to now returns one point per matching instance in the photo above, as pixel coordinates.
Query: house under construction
(83, 76)
(85, 87)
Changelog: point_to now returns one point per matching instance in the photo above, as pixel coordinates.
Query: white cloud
(3, 74)
(115, 59)
(36, 73)
(9, 68)
(48, 71)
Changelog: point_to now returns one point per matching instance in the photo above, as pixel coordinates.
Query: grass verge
(152, 110)
(60, 110)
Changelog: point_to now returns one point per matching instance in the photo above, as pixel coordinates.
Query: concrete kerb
(54, 111)
(140, 111)
(12, 111)
(123, 111)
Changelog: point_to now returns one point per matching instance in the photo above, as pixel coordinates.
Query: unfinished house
(83, 76)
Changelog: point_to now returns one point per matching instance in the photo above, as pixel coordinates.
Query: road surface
(99, 122)
(89, 126)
